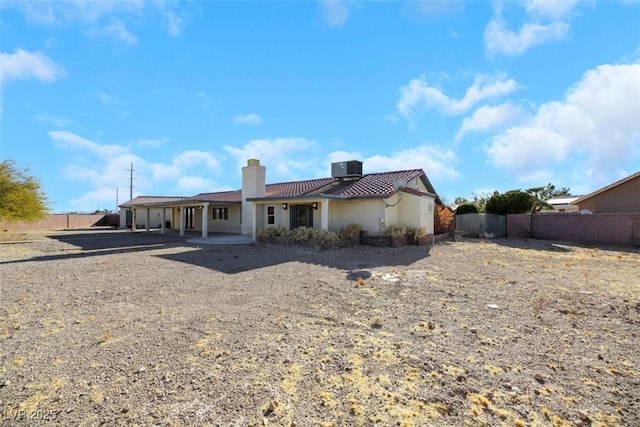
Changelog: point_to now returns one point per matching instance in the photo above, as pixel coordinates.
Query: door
(301, 216)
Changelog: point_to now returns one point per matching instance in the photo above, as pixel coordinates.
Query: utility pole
(117, 200)
(131, 182)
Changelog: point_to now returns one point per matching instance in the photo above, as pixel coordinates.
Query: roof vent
(346, 169)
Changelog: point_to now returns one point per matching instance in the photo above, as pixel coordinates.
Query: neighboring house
(374, 201)
(620, 197)
(563, 204)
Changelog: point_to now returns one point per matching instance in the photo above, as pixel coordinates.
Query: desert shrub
(466, 208)
(271, 232)
(301, 234)
(325, 236)
(442, 220)
(396, 231)
(351, 232)
(416, 233)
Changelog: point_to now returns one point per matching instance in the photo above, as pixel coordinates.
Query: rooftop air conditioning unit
(345, 169)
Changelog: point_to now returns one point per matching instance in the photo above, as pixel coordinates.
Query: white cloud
(108, 99)
(103, 167)
(437, 162)
(174, 24)
(150, 142)
(193, 158)
(195, 184)
(85, 11)
(554, 9)
(69, 140)
(596, 126)
(93, 14)
(488, 118)
(543, 24)
(500, 39)
(287, 157)
(335, 12)
(119, 31)
(25, 65)
(248, 119)
(419, 94)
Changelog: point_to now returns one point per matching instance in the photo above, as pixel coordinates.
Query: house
(155, 214)
(374, 201)
(622, 196)
(563, 204)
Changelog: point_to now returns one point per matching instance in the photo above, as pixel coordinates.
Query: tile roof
(234, 196)
(375, 184)
(369, 185)
(145, 200)
(296, 188)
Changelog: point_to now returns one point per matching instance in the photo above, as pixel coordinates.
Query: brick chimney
(253, 185)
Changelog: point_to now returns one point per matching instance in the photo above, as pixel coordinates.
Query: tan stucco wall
(155, 217)
(410, 210)
(624, 198)
(232, 225)
(367, 213)
(417, 212)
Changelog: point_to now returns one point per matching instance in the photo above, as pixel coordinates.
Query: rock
(539, 378)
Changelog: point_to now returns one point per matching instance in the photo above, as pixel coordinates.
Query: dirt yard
(116, 328)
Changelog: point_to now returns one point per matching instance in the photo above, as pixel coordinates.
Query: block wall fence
(613, 229)
(61, 222)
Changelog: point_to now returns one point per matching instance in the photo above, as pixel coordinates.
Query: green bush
(396, 231)
(466, 208)
(511, 202)
(351, 232)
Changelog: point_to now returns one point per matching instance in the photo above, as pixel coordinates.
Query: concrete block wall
(54, 222)
(614, 229)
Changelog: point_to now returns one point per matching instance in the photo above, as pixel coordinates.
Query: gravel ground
(117, 328)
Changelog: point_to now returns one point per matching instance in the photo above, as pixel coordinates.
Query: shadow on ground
(238, 259)
(228, 259)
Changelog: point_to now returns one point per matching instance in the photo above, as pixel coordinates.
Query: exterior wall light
(315, 205)
(285, 206)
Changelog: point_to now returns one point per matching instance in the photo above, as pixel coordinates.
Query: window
(271, 215)
(220, 214)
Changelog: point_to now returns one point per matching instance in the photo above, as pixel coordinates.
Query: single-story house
(375, 201)
(563, 204)
(622, 196)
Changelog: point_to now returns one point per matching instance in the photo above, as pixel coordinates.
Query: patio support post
(254, 222)
(324, 215)
(133, 219)
(148, 219)
(205, 220)
(181, 220)
(163, 219)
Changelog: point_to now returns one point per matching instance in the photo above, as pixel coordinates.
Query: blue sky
(481, 95)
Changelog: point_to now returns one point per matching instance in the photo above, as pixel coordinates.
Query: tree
(511, 202)
(21, 195)
(542, 194)
(466, 208)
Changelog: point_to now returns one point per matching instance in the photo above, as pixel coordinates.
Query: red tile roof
(380, 185)
(296, 188)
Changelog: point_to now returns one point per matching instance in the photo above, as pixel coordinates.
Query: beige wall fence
(613, 229)
(63, 222)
